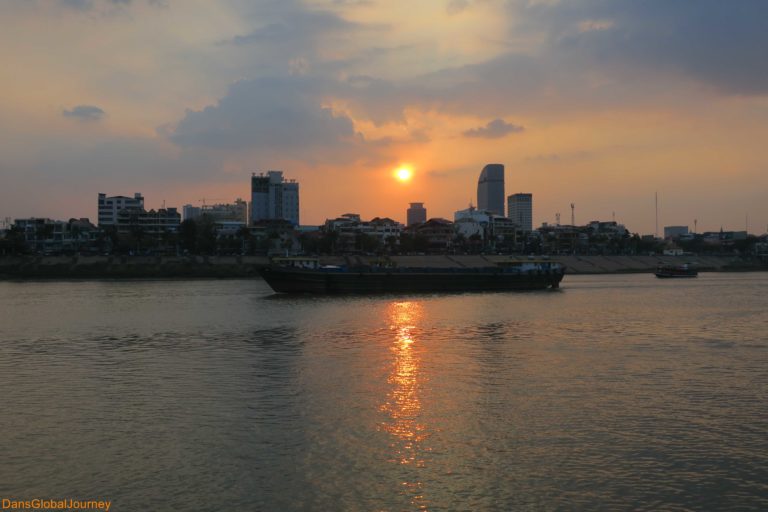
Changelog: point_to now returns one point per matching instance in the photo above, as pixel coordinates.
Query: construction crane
(211, 199)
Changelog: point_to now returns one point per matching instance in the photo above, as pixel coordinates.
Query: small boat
(684, 270)
(304, 275)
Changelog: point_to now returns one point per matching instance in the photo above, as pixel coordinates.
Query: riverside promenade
(121, 267)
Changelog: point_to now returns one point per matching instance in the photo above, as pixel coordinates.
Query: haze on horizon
(596, 102)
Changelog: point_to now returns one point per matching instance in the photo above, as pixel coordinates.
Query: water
(617, 392)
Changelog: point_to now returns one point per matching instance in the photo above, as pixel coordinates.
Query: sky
(600, 103)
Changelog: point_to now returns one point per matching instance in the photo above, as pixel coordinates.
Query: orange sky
(599, 104)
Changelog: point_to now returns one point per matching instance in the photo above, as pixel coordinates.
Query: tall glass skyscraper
(490, 189)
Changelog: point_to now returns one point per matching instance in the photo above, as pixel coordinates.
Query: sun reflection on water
(403, 405)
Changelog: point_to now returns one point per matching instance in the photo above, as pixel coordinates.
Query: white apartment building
(273, 197)
(109, 206)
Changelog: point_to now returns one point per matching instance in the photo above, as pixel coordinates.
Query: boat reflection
(403, 405)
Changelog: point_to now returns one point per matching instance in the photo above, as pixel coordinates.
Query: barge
(676, 271)
(296, 275)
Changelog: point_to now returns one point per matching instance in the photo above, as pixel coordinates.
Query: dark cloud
(456, 6)
(287, 32)
(84, 113)
(494, 130)
(81, 5)
(296, 27)
(89, 5)
(505, 85)
(278, 115)
(715, 42)
(548, 158)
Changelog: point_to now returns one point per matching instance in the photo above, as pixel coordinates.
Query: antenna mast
(657, 214)
(573, 215)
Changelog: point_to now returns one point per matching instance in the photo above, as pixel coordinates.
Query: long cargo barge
(306, 276)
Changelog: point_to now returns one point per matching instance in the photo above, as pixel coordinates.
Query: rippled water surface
(614, 393)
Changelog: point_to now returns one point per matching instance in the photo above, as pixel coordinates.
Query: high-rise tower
(417, 214)
(272, 197)
(520, 210)
(490, 189)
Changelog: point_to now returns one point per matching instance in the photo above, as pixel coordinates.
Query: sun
(404, 174)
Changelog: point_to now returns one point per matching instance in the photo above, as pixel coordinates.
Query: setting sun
(404, 174)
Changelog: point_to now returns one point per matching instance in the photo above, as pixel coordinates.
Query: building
(350, 227)
(416, 214)
(490, 189)
(189, 212)
(437, 233)
(140, 222)
(127, 215)
(476, 214)
(45, 235)
(520, 210)
(272, 197)
(110, 206)
(225, 212)
(672, 232)
(495, 231)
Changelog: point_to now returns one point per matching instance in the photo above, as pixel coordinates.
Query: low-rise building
(438, 233)
(223, 212)
(44, 235)
(675, 232)
(151, 223)
(352, 232)
(109, 207)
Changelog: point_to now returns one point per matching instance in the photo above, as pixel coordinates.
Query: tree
(310, 244)
(245, 238)
(206, 236)
(476, 243)
(327, 243)
(137, 236)
(14, 242)
(392, 242)
(188, 236)
(366, 243)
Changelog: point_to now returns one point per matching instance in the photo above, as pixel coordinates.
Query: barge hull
(309, 281)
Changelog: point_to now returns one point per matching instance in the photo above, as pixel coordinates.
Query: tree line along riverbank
(118, 267)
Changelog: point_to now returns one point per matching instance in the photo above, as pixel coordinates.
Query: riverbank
(122, 267)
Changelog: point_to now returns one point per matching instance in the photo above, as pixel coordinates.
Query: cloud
(105, 7)
(718, 43)
(295, 27)
(559, 157)
(276, 115)
(85, 5)
(81, 5)
(494, 130)
(84, 113)
(456, 6)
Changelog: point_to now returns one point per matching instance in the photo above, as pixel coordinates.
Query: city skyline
(601, 105)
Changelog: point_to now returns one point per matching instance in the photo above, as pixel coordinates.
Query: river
(615, 392)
